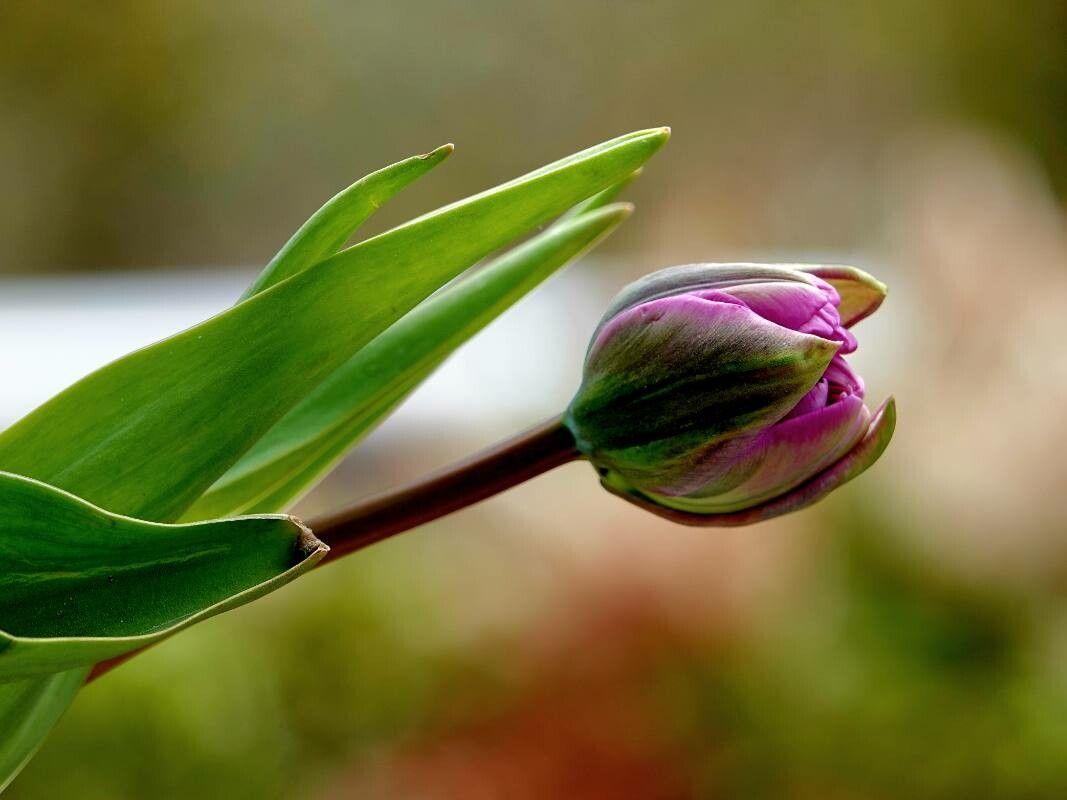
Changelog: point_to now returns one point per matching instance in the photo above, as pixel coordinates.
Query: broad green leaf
(149, 433)
(307, 442)
(80, 585)
(329, 227)
(29, 709)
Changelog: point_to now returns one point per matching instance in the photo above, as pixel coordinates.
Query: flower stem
(463, 484)
(484, 474)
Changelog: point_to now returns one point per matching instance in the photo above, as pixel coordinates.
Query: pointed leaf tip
(326, 231)
(661, 134)
(442, 152)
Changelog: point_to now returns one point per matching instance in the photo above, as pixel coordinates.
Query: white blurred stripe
(55, 330)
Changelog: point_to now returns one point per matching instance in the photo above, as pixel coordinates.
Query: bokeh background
(905, 639)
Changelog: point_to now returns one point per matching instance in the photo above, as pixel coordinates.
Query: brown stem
(484, 474)
(470, 481)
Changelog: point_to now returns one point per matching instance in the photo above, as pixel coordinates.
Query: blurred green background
(906, 638)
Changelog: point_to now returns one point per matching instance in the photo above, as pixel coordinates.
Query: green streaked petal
(669, 374)
(866, 452)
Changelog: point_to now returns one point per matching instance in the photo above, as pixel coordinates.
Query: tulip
(720, 394)
(713, 394)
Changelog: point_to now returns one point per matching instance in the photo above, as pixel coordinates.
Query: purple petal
(842, 380)
(798, 306)
(791, 305)
(774, 461)
(814, 400)
(697, 277)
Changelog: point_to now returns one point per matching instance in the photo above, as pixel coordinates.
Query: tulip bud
(719, 393)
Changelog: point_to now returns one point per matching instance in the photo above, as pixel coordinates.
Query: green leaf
(29, 709)
(602, 198)
(148, 434)
(80, 585)
(329, 227)
(309, 440)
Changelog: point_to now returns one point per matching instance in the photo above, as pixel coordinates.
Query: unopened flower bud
(720, 393)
